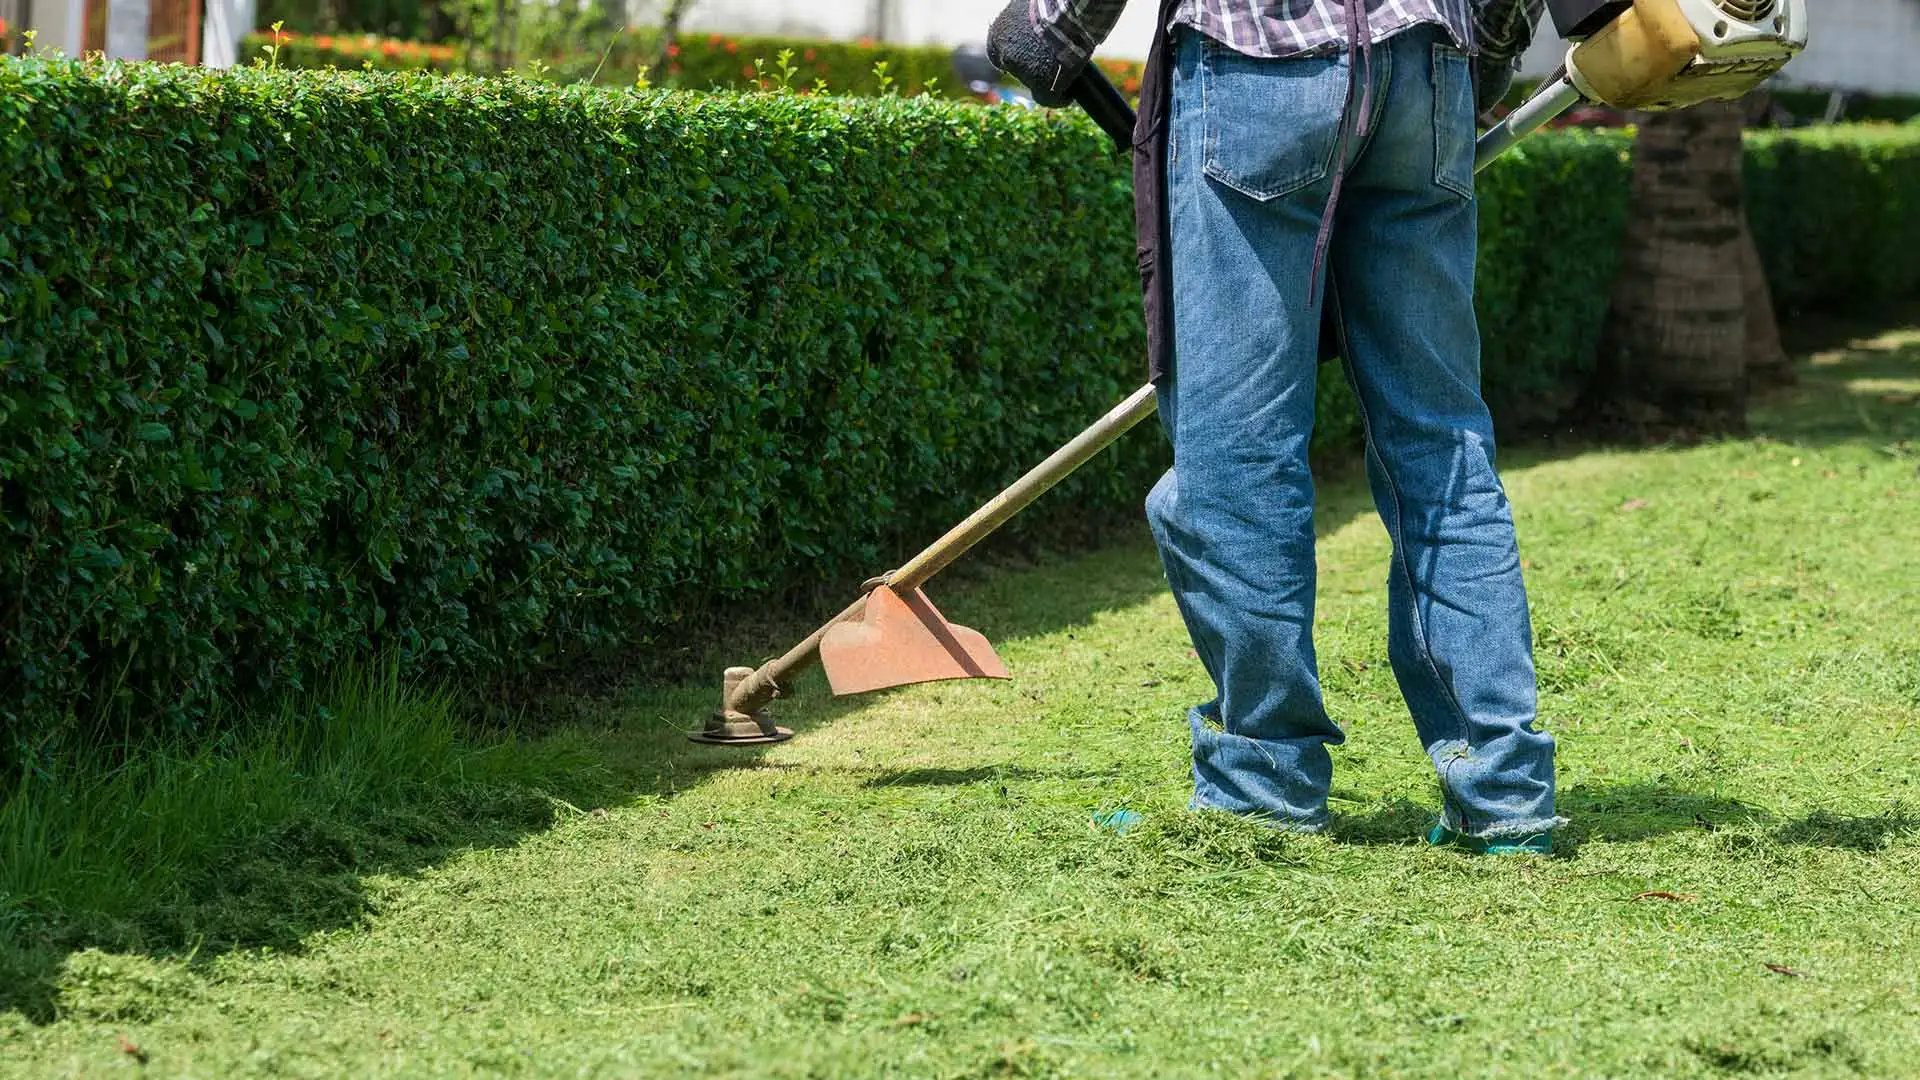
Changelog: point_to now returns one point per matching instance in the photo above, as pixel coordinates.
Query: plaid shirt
(1498, 29)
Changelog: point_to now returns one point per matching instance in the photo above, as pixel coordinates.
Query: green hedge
(1860, 108)
(298, 365)
(1836, 215)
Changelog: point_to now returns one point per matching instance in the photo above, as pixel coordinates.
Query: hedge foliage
(699, 62)
(1859, 107)
(1836, 215)
(299, 365)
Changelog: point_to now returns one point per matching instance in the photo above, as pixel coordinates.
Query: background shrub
(485, 373)
(352, 51)
(1836, 215)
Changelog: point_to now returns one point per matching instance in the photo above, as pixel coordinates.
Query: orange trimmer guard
(897, 640)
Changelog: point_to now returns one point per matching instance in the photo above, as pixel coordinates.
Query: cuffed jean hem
(1532, 827)
(1281, 782)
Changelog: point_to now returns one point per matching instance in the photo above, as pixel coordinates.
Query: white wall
(127, 23)
(58, 24)
(1870, 45)
(224, 23)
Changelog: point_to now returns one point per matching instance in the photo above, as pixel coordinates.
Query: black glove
(1016, 48)
(1492, 78)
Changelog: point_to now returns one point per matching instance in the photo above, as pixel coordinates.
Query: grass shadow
(1620, 812)
(284, 828)
(1852, 832)
(1398, 824)
(1631, 811)
(978, 775)
(270, 889)
(1866, 390)
(1628, 812)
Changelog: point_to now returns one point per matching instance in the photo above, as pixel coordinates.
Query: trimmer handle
(1093, 92)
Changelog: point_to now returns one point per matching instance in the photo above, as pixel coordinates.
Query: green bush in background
(487, 373)
(1859, 108)
(727, 61)
(1836, 215)
(352, 51)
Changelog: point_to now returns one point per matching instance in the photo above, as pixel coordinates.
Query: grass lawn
(1729, 652)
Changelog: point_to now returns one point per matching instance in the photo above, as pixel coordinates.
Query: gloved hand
(1492, 78)
(1016, 48)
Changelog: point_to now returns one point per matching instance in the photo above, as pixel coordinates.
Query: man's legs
(1254, 145)
(1249, 170)
(1459, 637)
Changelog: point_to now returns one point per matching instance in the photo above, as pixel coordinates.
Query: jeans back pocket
(1272, 126)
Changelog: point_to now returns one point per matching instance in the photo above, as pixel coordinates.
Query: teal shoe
(1537, 844)
(1120, 821)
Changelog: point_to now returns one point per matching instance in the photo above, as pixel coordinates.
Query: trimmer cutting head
(730, 727)
(883, 640)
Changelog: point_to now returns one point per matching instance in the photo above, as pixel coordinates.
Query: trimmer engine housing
(1667, 54)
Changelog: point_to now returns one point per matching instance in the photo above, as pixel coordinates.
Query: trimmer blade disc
(779, 735)
(726, 727)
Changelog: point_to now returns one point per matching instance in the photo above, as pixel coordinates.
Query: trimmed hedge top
(700, 61)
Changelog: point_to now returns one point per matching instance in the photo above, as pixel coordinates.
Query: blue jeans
(1250, 168)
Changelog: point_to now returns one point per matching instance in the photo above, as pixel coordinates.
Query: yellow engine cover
(1652, 57)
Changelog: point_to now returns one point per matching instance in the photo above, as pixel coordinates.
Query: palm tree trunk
(1673, 356)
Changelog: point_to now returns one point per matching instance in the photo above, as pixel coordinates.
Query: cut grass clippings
(1729, 656)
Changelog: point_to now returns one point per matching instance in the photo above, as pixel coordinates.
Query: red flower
(733, 46)
(390, 48)
(809, 54)
(713, 39)
(673, 50)
(325, 41)
(746, 71)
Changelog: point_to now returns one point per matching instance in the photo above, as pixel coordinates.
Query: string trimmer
(1650, 55)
